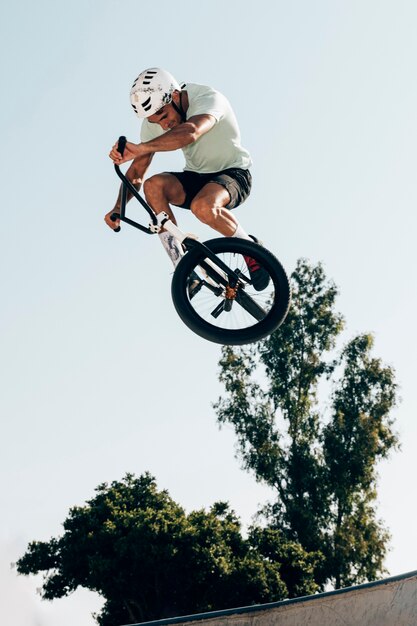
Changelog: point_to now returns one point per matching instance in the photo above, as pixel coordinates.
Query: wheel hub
(231, 292)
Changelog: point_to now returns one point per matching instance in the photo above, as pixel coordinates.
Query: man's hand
(131, 151)
(109, 222)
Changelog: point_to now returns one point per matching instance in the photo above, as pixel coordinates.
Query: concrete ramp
(389, 602)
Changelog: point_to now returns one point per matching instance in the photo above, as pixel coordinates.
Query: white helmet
(151, 90)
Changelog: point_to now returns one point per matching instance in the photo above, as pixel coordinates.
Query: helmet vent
(147, 104)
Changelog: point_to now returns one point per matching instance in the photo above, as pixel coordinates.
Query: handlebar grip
(121, 145)
(114, 217)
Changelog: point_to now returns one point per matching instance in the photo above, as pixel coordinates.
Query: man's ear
(176, 96)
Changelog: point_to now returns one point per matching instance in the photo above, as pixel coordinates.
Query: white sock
(172, 246)
(241, 233)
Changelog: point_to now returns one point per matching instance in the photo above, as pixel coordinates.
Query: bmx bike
(223, 305)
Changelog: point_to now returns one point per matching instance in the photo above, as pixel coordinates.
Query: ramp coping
(271, 605)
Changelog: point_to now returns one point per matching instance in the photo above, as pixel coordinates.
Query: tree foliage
(148, 559)
(321, 463)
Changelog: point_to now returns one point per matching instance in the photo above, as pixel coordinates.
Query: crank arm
(250, 306)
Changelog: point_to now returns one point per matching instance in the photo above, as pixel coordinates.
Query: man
(216, 178)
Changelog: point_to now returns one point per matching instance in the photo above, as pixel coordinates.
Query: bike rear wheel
(225, 307)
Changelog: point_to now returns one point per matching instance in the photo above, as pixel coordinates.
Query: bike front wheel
(220, 299)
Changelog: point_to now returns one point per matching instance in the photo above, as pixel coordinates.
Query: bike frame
(162, 221)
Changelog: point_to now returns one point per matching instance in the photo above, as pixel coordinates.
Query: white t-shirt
(220, 147)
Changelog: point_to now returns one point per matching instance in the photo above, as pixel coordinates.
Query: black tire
(246, 317)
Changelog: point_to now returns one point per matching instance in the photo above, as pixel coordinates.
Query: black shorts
(238, 183)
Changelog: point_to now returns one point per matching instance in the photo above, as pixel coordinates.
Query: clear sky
(98, 375)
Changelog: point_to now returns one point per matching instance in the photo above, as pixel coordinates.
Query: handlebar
(121, 145)
(127, 185)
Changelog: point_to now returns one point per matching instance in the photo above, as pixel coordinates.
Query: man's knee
(163, 188)
(204, 209)
(154, 187)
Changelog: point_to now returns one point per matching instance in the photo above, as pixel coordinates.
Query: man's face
(167, 117)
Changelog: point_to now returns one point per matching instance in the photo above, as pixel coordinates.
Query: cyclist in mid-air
(216, 178)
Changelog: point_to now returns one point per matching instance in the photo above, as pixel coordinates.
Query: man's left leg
(209, 206)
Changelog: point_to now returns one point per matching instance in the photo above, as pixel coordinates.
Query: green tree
(148, 559)
(320, 463)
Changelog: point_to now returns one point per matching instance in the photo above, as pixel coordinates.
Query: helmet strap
(179, 109)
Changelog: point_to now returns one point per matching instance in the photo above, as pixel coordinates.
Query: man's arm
(178, 137)
(135, 174)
